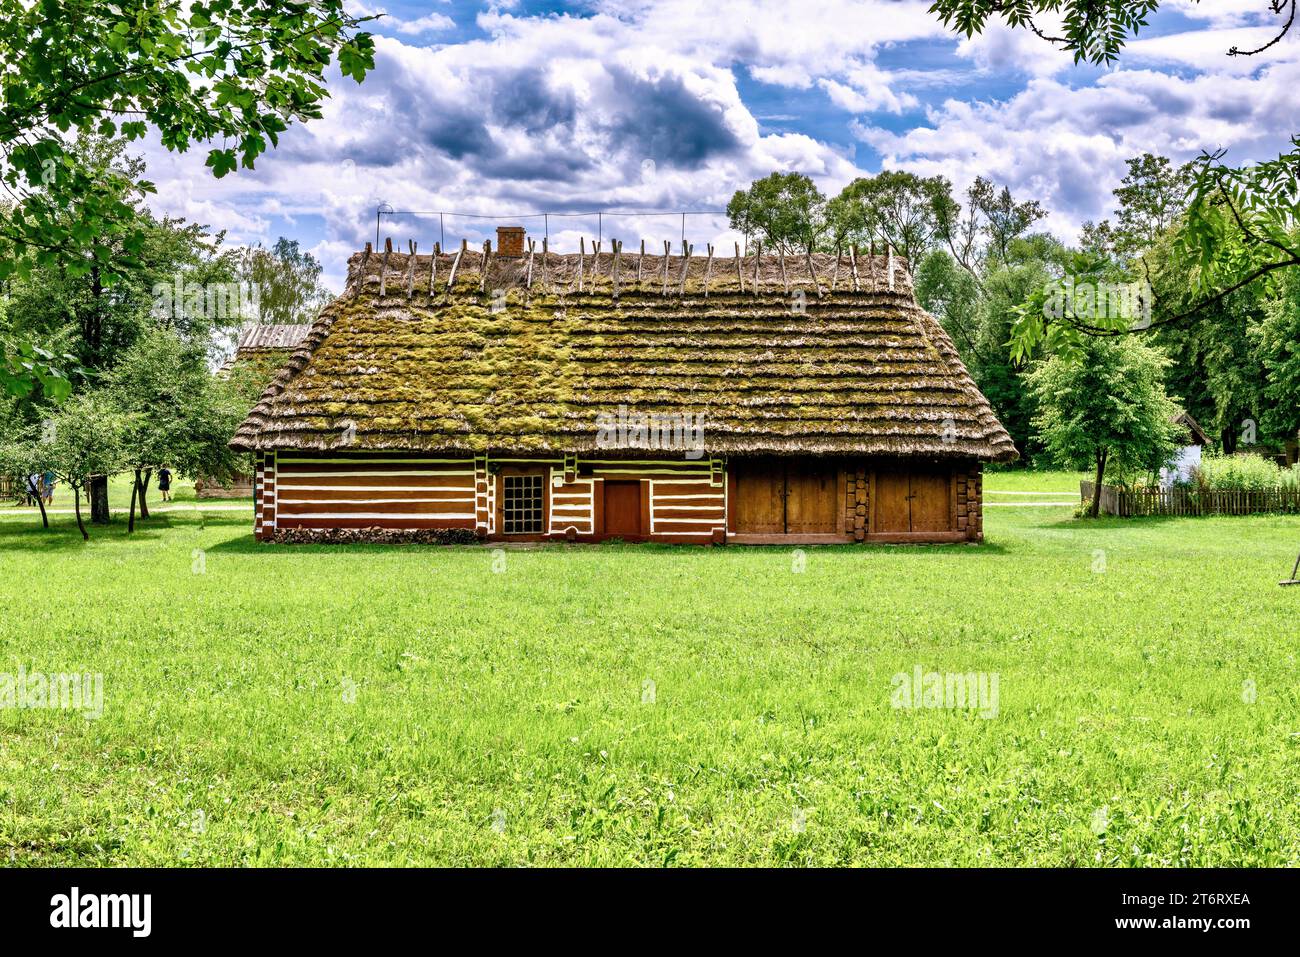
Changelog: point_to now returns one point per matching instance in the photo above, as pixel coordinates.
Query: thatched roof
(268, 341)
(824, 355)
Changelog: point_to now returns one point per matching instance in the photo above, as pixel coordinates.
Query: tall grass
(1245, 473)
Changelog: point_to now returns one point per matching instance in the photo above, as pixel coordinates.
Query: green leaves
(357, 58)
(216, 72)
(221, 162)
(24, 367)
(784, 210)
(1093, 30)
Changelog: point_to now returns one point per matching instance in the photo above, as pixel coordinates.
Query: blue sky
(498, 109)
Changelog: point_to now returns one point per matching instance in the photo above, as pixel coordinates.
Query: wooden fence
(1181, 500)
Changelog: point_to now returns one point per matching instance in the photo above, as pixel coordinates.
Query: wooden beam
(667, 249)
(686, 265)
(582, 255)
(618, 253)
(455, 264)
(528, 280)
(485, 262)
(853, 265)
(383, 268)
(708, 269)
(433, 266)
(740, 273)
(410, 268)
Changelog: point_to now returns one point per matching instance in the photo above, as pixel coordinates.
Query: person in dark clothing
(165, 483)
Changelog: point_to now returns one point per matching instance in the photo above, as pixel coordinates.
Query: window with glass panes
(521, 504)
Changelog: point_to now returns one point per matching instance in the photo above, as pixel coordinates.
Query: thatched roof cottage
(681, 397)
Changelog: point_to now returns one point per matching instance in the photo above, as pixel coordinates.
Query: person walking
(33, 489)
(48, 481)
(165, 483)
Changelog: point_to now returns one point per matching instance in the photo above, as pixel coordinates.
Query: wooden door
(760, 497)
(914, 501)
(892, 502)
(931, 505)
(811, 492)
(623, 510)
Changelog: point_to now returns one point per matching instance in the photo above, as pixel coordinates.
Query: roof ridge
(617, 272)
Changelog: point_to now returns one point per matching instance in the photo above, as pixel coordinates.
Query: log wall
(682, 501)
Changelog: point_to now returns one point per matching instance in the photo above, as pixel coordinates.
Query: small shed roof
(1195, 435)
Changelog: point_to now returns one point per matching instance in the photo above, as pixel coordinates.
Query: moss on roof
(818, 361)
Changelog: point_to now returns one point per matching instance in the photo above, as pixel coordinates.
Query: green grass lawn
(275, 705)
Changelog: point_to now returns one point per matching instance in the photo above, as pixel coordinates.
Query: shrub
(1243, 473)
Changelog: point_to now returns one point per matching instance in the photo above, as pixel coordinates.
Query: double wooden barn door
(777, 497)
(912, 502)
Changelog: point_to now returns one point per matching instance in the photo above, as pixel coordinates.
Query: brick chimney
(510, 241)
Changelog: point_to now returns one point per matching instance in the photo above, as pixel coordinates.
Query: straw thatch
(264, 344)
(821, 354)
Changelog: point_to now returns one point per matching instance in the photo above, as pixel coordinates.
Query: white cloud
(1067, 146)
(639, 106)
(429, 23)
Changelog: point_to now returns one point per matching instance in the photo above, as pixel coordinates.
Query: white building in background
(1188, 457)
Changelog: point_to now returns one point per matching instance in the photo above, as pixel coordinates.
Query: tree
(96, 314)
(1278, 345)
(81, 440)
(1093, 30)
(286, 281)
(1107, 408)
(1152, 198)
(87, 440)
(237, 74)
(785, 211)
(1238, 220)
(179, 414)
(906, 211)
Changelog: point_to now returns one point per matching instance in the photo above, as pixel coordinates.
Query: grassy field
(272, 705)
